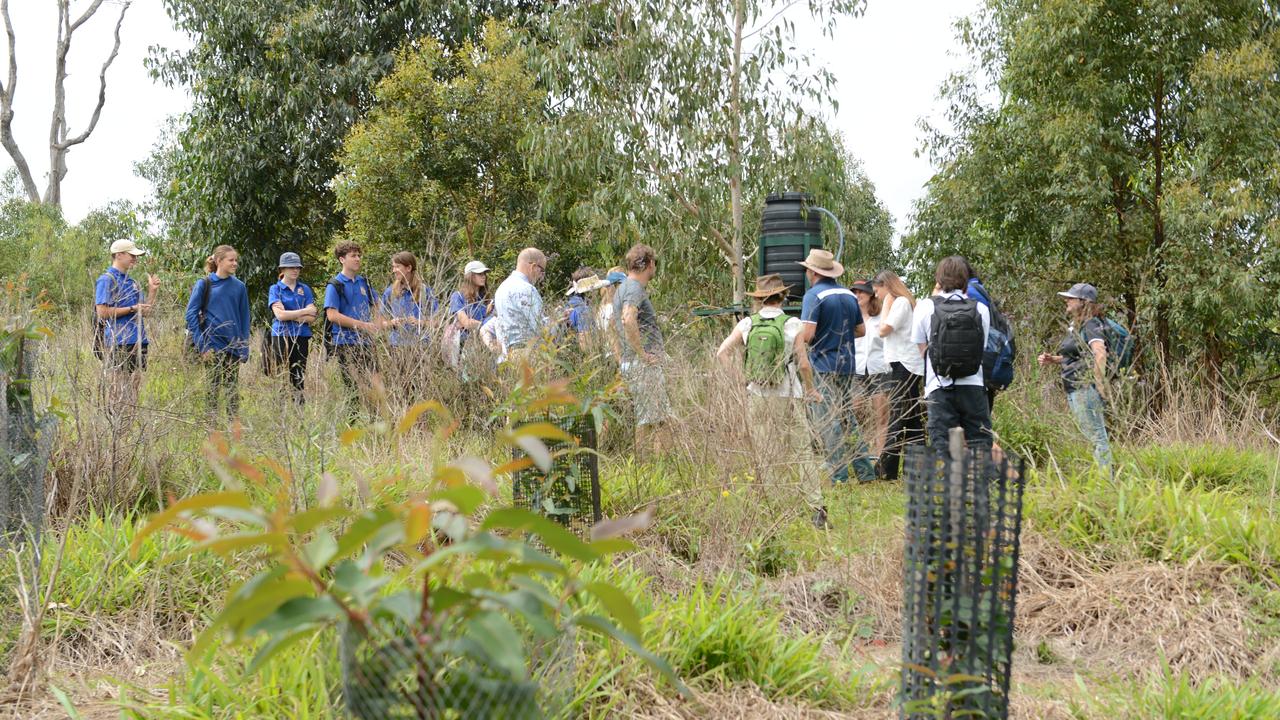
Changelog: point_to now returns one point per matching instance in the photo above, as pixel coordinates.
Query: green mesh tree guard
(964, 518)
(570, 492)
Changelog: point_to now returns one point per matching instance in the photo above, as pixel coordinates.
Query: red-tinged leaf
(349, 437)
(544, 430)
(450, 476)
(513, 466)
(247, 470)
(620, 527)
(411, 417)
(230, 498)
(418, 523)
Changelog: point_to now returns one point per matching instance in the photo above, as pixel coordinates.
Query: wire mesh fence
(390, 670)
(569, 492)
(24, 453)
(964, 519)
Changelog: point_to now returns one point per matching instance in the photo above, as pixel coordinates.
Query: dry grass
(1126, 618)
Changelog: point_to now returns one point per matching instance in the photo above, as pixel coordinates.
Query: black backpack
(956, 340)
(100, 326)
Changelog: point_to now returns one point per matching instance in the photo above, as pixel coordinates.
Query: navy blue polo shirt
(356, 302)
(834, 310)
(117, 290)
(296, 299)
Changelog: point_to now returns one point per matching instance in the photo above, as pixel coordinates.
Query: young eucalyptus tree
(672, 110)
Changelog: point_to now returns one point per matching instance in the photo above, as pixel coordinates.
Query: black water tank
(787, 233)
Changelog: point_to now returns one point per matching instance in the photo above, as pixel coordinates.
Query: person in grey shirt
(640, 340)
(518, 304)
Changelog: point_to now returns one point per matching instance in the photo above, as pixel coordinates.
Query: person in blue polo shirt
(832, 322)
(293, 304)
(218, 320)
(407, 302)
(350, 309)
(120, 308)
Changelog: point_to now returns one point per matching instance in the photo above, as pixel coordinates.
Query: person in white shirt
(518, 304)
(954, 401)
(873, 371)
(906, 371)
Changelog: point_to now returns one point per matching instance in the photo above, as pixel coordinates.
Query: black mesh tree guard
(25, 445)
(964, 518)
(570, 492)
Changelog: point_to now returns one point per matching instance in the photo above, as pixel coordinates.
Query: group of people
(872, 344)
(504, 327)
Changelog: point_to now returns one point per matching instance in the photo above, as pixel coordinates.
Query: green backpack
(767, 350)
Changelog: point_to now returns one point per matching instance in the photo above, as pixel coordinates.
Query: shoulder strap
(204, 298)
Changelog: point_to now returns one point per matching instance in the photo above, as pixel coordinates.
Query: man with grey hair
(518, 304)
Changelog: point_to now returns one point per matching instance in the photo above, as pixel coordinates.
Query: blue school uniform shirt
(296, 299)
(475, 310)
(404, 305)
(356, 301)
(115, 289)
(834, 310)
(580, 314)
(226, 319)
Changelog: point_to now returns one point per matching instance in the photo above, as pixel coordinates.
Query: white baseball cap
(476, 267)
(128, 246)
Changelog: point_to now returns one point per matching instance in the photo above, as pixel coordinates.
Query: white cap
(476, 267)
(128, 246)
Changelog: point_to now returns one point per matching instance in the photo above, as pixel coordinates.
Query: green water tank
(787, 232)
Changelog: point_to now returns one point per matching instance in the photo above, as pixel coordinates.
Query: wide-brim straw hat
(768, 286)
(586, 285)
(823, 262)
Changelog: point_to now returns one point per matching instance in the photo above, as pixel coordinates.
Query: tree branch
(102, 79)
(6, 110)
(88, 13)
(693, 210)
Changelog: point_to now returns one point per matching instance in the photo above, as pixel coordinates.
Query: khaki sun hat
(586, 285)
(823, 262)
(126, 246)
(768, 286)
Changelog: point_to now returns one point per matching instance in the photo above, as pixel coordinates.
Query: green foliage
(1210, 466)
(1135, 516)
(436, 166)
(1132, 145)
(475, 598)
(1176, 697)
(276, 86)
(714, 635)
(671, 127)
(31, 234)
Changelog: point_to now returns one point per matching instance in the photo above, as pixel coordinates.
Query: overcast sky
(889, 64)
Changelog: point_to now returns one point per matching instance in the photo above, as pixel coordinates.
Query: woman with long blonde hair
(407, 302)
(906, 371)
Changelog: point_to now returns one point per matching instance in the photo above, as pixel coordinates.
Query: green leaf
(297, 614)
(618, 605)
(231, 498)
(551, 533)
(608, 629)
(500, 640)
(320, 550)
(467, 498)
(274, 646)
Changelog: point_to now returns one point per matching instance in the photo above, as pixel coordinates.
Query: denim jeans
(1086, 406)
(838, 429)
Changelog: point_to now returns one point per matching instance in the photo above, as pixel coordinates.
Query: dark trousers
(357, 365)
(295, 351)
(224, 382)
(906, 418)
(963, 406)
